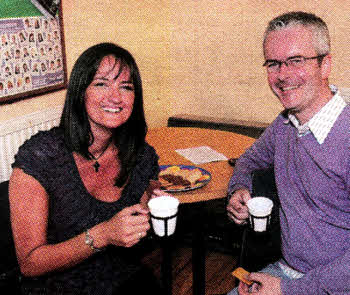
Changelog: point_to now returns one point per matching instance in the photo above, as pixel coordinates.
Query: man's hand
(265, 285)
(237, 208)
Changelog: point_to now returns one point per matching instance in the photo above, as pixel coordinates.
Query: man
(309, 147)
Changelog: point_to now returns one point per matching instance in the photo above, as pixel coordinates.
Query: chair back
(260, 249)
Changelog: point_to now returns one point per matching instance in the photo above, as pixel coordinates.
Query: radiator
(15, 131)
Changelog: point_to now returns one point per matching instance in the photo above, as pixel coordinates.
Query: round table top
(167, 139)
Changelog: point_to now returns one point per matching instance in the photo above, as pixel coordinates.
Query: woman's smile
(112, 110)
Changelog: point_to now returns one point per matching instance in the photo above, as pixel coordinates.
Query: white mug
(163, 211)
(260, 209)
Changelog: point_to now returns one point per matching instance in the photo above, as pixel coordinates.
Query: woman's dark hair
(129, 138)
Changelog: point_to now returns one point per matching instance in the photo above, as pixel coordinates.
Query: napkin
(201, 155)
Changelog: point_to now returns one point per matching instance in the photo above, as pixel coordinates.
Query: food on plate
(174, 175)
(241, 274)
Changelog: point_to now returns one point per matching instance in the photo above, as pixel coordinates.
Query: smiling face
(304, 90)
(109, 98)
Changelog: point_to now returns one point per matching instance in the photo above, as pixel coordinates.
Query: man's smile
(289, 88)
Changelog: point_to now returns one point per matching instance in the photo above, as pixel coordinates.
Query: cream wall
(218, 56)
(139, 26)
(196, 56)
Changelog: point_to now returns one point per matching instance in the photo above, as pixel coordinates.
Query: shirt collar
(322, 122)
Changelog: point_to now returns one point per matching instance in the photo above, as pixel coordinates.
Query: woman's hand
(128, 226)
(158, 193)
(237, 208)
(153, 185)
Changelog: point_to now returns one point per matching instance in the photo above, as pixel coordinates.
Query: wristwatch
(90, 242)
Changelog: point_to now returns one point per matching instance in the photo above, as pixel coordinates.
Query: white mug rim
(260, 212)
(163, 212)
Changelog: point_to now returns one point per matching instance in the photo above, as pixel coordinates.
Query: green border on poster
(18, 8)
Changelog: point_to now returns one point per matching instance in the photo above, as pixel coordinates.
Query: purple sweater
(313, 183)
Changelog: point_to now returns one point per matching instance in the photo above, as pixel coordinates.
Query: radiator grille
(14, 132)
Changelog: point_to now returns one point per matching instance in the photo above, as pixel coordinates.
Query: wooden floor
(218, 271)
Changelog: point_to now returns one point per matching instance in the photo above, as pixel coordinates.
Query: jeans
(273, 269)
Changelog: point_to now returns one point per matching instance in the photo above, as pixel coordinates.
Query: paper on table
(201, 155)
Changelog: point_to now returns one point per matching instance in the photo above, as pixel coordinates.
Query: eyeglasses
(294, 62)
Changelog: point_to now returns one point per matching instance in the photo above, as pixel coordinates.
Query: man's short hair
(318, 27)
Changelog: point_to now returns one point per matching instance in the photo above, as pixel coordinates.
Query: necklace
(97, 164)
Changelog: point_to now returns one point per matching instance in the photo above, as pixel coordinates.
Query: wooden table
(166, 140)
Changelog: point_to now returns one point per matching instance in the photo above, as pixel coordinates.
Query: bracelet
(90, 242)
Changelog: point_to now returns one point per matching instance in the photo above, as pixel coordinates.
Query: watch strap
(90, 242)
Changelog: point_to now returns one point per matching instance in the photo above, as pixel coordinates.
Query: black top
(72, 210)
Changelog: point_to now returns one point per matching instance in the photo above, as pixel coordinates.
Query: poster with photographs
(32, 58)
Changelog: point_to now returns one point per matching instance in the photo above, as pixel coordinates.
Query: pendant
(96, 166)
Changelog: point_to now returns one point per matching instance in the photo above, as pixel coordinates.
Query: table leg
(198, 255)
(166, 268)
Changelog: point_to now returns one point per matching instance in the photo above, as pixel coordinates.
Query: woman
(77, 192)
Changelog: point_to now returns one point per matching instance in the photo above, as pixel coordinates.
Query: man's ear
(326, 66)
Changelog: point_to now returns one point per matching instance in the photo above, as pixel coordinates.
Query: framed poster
(32, 51)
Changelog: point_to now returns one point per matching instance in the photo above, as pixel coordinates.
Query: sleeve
(332, 278)
(32, 158)
(260, 155)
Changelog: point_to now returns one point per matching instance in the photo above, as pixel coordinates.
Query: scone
(177, 176)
